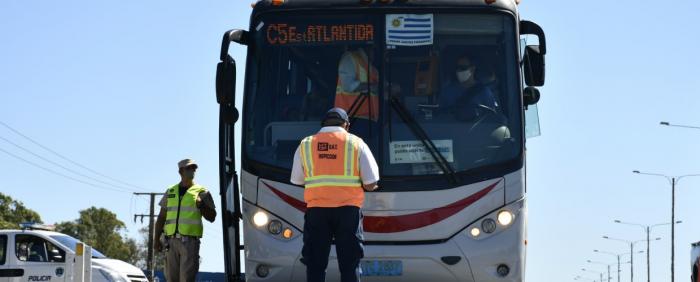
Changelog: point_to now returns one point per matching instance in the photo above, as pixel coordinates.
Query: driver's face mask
(464, 73)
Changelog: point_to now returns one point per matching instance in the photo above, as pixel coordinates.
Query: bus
(448, 85)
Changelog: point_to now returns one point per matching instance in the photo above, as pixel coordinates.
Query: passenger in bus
(465, 96)
(355, 78)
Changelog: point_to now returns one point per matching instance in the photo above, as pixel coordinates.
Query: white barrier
(82, 268)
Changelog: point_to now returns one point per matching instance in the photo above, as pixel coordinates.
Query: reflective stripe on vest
(345, 100)
(189, 219)
(332, 176)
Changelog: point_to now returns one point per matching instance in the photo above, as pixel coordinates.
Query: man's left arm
(206, 206)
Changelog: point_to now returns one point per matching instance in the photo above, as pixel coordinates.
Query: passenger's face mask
(465, 75)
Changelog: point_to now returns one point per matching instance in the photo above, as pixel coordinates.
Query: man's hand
(207, 209)
(370, 187)
(199, 202)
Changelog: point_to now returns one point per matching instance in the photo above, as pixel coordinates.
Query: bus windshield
(407, 80)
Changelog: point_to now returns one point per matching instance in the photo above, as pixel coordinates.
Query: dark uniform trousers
(182, 259)
(321, 226)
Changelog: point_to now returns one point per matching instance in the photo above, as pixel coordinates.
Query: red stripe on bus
(400, 223)
(297, 204)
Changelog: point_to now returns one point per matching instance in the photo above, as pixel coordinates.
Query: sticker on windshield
(411, 152)
(409, 30)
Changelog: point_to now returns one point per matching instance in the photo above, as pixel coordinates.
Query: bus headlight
(260, 219)
(275, 227)
(475, 232)
(287, 234)
(488, 225)
(272, 225)
(505, 218)
(496, 221)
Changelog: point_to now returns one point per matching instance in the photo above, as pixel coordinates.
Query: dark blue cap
(336, 113)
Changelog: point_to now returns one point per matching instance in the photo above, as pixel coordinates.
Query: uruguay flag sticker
(409, 30)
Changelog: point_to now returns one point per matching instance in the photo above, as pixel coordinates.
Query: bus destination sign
(318, 34)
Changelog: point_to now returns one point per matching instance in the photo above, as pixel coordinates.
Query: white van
(40, 255)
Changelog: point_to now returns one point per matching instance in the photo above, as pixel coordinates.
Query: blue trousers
(321, 226)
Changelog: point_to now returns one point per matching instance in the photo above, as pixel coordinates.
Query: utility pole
(631, 261)
(618, 268)
(149, 259)
(648, 264)
(673, 226)
(673, 181)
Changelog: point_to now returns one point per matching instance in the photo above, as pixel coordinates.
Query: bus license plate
(381, 268)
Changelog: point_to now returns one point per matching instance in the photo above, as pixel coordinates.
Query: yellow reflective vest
(183, 216)
(331, 170)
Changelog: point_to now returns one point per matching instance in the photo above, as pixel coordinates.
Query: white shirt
(369, 171)
(347, 71)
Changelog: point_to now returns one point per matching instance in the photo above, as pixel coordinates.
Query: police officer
(180, 218)
(335, 167)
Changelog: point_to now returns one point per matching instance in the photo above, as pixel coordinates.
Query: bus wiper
(419, 132)
(356, 104)
(364, 95)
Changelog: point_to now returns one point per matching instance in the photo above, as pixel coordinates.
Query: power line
(60, 174)
(118, 187)
(63, 167)
(67, 159)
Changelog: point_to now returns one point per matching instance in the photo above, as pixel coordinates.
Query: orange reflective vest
(370, 107)
(331, 170)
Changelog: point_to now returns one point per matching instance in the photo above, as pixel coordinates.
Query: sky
(126, 89)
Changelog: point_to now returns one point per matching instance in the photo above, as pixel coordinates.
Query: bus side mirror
(533, 61)
(226, 68)
(226, 89)
(533, 66)
(531, 96)
(226, 75)
(226, 81)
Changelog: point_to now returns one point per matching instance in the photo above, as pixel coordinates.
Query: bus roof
(267, 5)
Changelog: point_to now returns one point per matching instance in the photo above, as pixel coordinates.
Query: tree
(100, 228)
(13, 212)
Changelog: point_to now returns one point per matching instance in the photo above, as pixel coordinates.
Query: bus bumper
(479, 259)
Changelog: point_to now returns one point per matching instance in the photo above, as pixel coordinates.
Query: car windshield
(453, 77)
(70, 242)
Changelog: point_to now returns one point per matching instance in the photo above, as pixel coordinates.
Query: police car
(35, 253)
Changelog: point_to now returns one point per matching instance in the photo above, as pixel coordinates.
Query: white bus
(451, 151)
